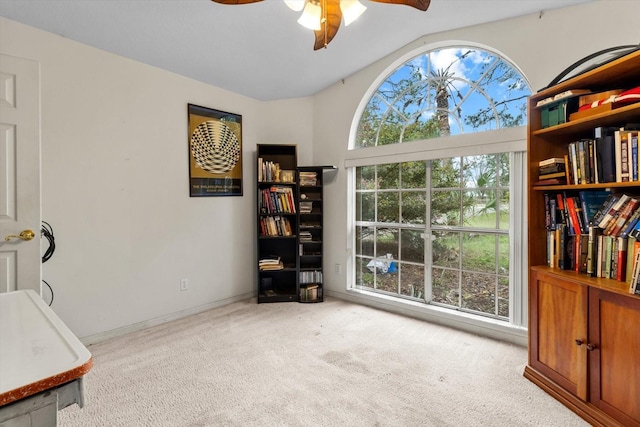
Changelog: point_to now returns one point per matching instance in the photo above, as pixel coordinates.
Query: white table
(42, 363)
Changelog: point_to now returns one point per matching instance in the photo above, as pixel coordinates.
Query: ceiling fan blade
(235, 1)
(422, 5)
(328, 29)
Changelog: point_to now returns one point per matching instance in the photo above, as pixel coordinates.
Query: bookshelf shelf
(580, 341)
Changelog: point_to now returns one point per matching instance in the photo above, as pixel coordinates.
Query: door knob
(24, 235)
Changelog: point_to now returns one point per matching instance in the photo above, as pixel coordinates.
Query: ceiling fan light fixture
(351, 10)
(311, 16)
(296, 5)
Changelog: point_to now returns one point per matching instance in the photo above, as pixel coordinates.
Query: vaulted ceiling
(257, 50)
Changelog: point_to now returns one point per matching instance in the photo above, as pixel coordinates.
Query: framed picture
(215, 152)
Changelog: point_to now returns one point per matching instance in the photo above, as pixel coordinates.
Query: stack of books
(552, 171)
(270, 263)
(306, 207)
(308, 179)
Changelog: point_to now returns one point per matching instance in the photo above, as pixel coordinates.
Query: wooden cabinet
(584, 331)
(559, 314)
(614, 359)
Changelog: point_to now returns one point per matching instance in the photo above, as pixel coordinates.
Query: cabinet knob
(591, 347)
(579, 342)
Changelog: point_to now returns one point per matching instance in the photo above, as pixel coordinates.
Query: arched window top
(442, 92)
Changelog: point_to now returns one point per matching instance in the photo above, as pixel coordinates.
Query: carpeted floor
(329, 364)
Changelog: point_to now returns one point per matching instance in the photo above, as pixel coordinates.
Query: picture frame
(215, 152)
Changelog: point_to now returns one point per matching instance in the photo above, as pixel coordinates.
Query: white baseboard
(113, 333)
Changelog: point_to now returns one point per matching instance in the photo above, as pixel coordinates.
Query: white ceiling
(257, 50)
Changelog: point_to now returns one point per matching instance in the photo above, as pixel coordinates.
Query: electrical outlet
(338, 268)
(184, 284)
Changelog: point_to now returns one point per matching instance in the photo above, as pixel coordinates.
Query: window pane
(365, 206)
(388, 176)
(387, 282)
(414, 174)
(365, 241)
(388, 207)
(503, 296)
(364, 277)
(446, 173)
(412, 245)
(414, 207)
(412, 278)
(503, 209)
(446, 249)
(387, 242)
(479, 252)
(445, 208)
(366, 178)
(503, 255)
(479, 292)
(482, 210)
(445, 284)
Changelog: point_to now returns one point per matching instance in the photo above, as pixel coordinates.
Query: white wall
(114, 164)
(541, 46)
(115, 186)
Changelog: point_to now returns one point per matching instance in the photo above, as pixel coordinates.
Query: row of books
(610, 156)
(276, 199)
(275, 226)
(594, 232)
(309, 293)
(314, 276)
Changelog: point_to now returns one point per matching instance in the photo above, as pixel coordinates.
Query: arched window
(434, 220)
(444, 92)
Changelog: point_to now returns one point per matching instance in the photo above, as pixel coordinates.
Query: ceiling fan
(324, 16)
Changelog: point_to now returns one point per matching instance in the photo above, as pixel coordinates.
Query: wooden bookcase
(584, 332)
(310, 236)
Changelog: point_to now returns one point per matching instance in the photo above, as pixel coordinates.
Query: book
(635, 275)
(591, 201)
(631, 223)
(551, 181)
(556, 167)
(605, 153)
(551, 161)
(592, 251)
(613, 211)
(573, 216)
(552, 175)
(631, 256)
(623, 216)
(621, 259)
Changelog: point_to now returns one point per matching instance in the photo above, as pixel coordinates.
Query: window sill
(479, 325)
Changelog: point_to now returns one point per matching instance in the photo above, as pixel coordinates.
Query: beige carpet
(329, 364)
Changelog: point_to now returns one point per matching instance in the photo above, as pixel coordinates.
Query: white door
(20, 259)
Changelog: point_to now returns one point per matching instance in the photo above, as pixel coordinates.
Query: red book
(575, 222)
(621, 270)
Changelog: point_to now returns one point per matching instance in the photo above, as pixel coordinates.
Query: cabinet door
(558, 331)
(614, 335)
